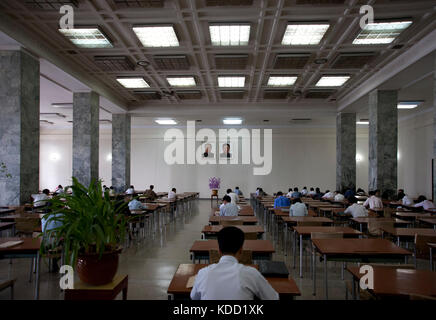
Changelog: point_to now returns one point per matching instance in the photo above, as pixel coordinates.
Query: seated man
(149, 194)
(328, 195)
(356, 210)
(281, 201)
(130, 190)
(312, 192)
(172, 194)
(424, 203)
(59, 190)
(112, 191)
(298, 209)
(296, 193)
(38, 198)
(228, 209)
(349, 193)
(237, 191)
(339, 197)
(289, 194)
(374, 200)
(135, 204)
(233, 196)
(228, 279)
(304, 192)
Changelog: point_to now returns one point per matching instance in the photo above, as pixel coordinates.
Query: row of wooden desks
(209, 231)
(246, 220)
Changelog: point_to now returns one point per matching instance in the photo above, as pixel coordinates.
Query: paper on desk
(190, 282)
(9, 244)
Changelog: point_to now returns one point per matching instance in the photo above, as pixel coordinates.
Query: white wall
(300, 157)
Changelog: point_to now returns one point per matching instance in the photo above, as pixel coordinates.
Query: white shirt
(171, 195)
(312, 192)
(298, 210)
(130, 191)
(60, 190)
(373, 202)
(234, 197)
(37, 199)
(136, 205)
(230, 280)
(289, 195)
(339, 197)
(426, 204)
(328, 195)
(229, 210)
(356, 210)
(304, 192)
(406, 201)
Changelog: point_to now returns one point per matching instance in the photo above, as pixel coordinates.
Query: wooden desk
(246, 220)
(411, 215)
(286, 288)
(408, 234)
(397, 282)
(28, 249)
(261, 249)
(356, 250)
(431, 220)
(432, 246)
(213, 230)
(84, 291)
(6, 211)
(8, 226)
(306, 231)
(365, 220)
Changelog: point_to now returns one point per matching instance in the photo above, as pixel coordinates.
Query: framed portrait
(226, 151)
(209, 150)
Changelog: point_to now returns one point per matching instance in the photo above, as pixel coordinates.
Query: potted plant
(214, 185)
(90, 227)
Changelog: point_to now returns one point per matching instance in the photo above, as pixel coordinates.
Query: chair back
(309, 224)
(422, 250)
(246, 257)
(250, 235)
(25, 226)
(374, 226)
(214, 256)
(326, 235)
(235, 222)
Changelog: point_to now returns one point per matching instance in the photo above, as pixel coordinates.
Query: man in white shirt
(424, 203)
(38, 198)
(312, 192)
(59, 190)
(356, 210)
(339, 197)
(406, 201)
(238, 191)
(228, 209)
(228, 279)
(134, 204)
(289, 194)
(298, 209)
(304, 192)
(374, 200)
(130, 190)
(172, 194)
(328, 195)
(233, 196)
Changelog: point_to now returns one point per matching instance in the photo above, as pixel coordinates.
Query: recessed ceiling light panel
(229, 35)
(181, 81)
(231, 82)
(332, 81)
(133, 83)
(87, 37)
(304, 34)
(165, 121)
(232, 121)
(157, 36)
(281, 81)
(381, 33)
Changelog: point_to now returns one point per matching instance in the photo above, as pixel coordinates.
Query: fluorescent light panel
(381, 33)
(87, 37)
(231, 82)
(133, 83)
(304, 34)
(181, 81)
(232, 121)
(165, 121)
(408, 104)
(281, 81)
(332, 81)
(157, 36)
(229, 35)
(362, 122)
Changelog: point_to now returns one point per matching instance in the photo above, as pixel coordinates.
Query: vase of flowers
(214, 185)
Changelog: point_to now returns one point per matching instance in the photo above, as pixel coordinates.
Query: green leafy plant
(4, 171)
(85, 222)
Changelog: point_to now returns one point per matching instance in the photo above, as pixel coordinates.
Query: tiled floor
(152, 262)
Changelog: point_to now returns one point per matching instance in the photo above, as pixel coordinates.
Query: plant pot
(95, 271)
(214, 192)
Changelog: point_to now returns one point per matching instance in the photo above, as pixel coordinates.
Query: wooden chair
(422, 250)
(309, 224)
(25, 226)
(245, 258)
(214, 256)
(236, 222)
(8, 284)
(250, 235)
(324, 235)
(374, 227)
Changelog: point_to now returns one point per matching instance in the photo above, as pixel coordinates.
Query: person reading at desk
(228, 209)
(281, 200)
(296, 193)
(172, 194)
(228, 279)
(304, 192)
(130, 190)
(298, 209)
(38, 198)
(237, 191)
(374, 201)
(328, 195)
(233, 196)
(356, 210)
(149, 194)
(339, 196)
(134, 204)
(424, 203)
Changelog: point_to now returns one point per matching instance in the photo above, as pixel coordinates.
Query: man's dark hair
(229, 190)
(46, 191)
(318, 190)
(352, 199)
(294, 201)
(311, 189)
(371, 193)
(60, 186)
(227, 198)
(230, 240)
(173, 189)
(296, 189)
(151, 187)
(290, 189)
(132, 187)
(279, 194)
(237, 188)
(421, 199)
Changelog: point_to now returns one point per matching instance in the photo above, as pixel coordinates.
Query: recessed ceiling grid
(266, 55)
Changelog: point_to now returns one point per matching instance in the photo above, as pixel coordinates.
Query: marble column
(434, 129)
(19, 127)
(121, 151)
(345, 151)
(383, 141)
(85, 136)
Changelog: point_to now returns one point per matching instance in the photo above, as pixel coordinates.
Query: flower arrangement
(214, 183)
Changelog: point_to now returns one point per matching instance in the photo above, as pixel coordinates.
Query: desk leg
(125, 293)
(431, 259)
(361, 227)
(325, 278)
(398, 241)
(38, 261)
(285, 241)
(301, 256)
(294, 246)
(314, 270)
(354, 288)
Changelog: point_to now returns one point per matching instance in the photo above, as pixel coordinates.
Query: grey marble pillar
(85, 136)
(434, 130)
(345, 151)
(383, 141)
(19, 126)
(121, 151)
